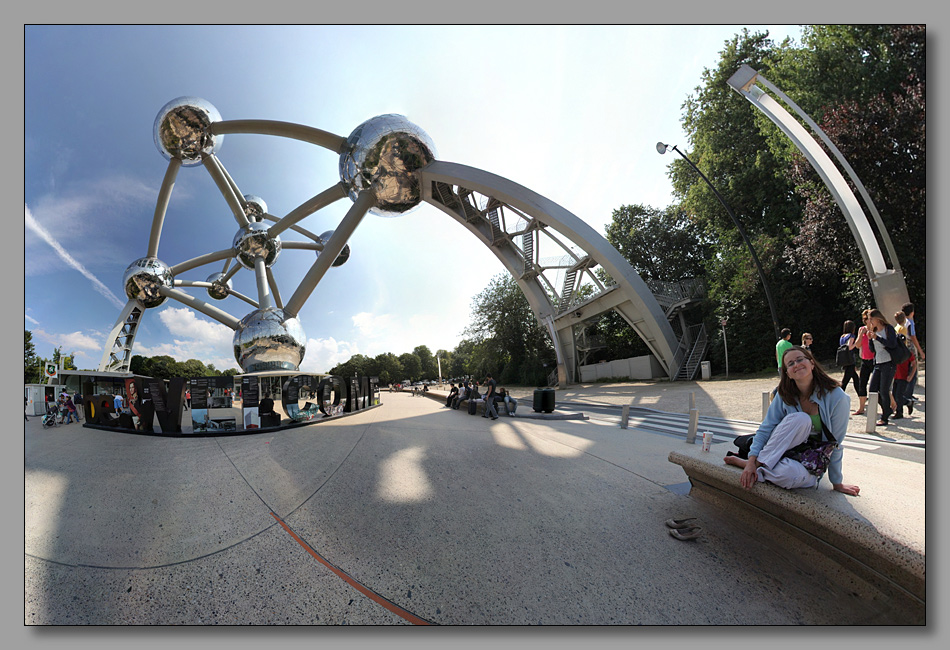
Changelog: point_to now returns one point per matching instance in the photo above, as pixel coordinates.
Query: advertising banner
(250, 396)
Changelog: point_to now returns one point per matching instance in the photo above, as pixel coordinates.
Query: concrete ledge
(822, 518)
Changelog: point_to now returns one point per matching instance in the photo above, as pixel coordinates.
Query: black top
(266, 406)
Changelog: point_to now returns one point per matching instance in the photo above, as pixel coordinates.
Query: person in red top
(904, 373)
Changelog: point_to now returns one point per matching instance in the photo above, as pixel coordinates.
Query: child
(904, 374)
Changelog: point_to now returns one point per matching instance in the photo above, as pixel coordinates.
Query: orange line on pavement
(372, 595)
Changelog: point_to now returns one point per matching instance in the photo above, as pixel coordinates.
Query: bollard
(870, 410)
(693, 425)
(766, 400)
(625, 416)
(692, 400)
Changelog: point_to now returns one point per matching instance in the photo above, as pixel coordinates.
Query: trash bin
(544, 400)
(706, 369)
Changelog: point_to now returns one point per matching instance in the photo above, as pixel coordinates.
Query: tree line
(865, 87)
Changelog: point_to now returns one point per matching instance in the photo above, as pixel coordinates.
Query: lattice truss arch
(568, 272)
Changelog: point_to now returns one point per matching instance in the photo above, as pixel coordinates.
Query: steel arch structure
(519, 226)
(567, 271)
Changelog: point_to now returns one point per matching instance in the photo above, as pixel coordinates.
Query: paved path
(403, 514)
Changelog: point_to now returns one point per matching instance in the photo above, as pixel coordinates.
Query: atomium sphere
(252, 242)
(142, 279)
(267, 339)
(219, 289)
(383, 154)
(255, 207)
(344, 254)
(183, 130)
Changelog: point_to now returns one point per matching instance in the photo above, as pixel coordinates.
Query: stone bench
(441, 396)
(823, 519)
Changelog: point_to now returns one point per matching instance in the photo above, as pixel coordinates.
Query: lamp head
(661, 148)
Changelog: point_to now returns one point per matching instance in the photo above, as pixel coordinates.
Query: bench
(824, 520)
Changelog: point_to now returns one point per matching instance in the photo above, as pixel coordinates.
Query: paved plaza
(410, 513)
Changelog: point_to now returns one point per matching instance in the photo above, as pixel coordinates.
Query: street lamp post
(725, 345)
(662, 148)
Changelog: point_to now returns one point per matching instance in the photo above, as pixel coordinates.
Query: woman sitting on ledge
(807, 397)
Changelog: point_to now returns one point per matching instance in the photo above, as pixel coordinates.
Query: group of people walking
(800, 438)
(492, 396)
(883, 369)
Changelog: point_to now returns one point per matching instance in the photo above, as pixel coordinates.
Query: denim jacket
(834, 407)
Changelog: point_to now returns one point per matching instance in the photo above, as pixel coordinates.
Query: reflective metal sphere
(219, 289)
(252, 241)
(255, 207)
(266, 339)
(142, 279)
(383, 154)
(344, 254)
(183, 130)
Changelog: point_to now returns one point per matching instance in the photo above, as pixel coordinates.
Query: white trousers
(793, 430)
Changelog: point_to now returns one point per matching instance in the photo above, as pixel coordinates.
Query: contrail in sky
(32, 224)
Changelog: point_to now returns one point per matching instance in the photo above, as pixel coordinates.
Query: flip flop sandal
(680, 523)
(687, 534)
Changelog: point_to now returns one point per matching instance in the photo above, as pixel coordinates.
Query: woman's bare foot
(736, 461)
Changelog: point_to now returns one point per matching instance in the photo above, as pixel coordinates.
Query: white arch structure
(887, 284)
(568, 272)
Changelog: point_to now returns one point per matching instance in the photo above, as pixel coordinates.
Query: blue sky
(571, 112)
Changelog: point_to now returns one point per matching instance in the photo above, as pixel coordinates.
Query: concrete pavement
(403, 514)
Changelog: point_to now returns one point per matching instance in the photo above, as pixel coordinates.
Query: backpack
(472, 406)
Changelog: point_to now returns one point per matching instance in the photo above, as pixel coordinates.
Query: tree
(509, 341)
(358, 365)
(863, 82)
(659, 244)
(427, 361)
(388, 368)
(32, 364)
(411, 365)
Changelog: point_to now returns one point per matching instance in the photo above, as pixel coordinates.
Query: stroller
(49, 420)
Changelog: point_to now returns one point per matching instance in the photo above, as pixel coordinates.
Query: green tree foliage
(864, 85)
(32, 364)
(411, 366)
(427, 361)
(388, 368)
(659, 244)
(509, 341)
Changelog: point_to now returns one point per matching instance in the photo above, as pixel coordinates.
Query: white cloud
(192, 338)
(372, 326)
(31, 319)
(33, 225)
(69, 342)
(183, 322)
(323, 354)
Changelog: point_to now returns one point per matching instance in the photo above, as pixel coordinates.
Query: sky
(571, 112)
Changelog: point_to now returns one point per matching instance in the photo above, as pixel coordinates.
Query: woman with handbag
(846, 351)
(813, 409)
(884, 342)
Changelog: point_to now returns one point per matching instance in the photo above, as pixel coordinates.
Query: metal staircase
(687, 369)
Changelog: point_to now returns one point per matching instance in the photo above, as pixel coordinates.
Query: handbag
(901, 353)
(844, 356)
(815, 452)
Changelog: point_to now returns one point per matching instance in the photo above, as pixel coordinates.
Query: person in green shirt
(783, 344)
